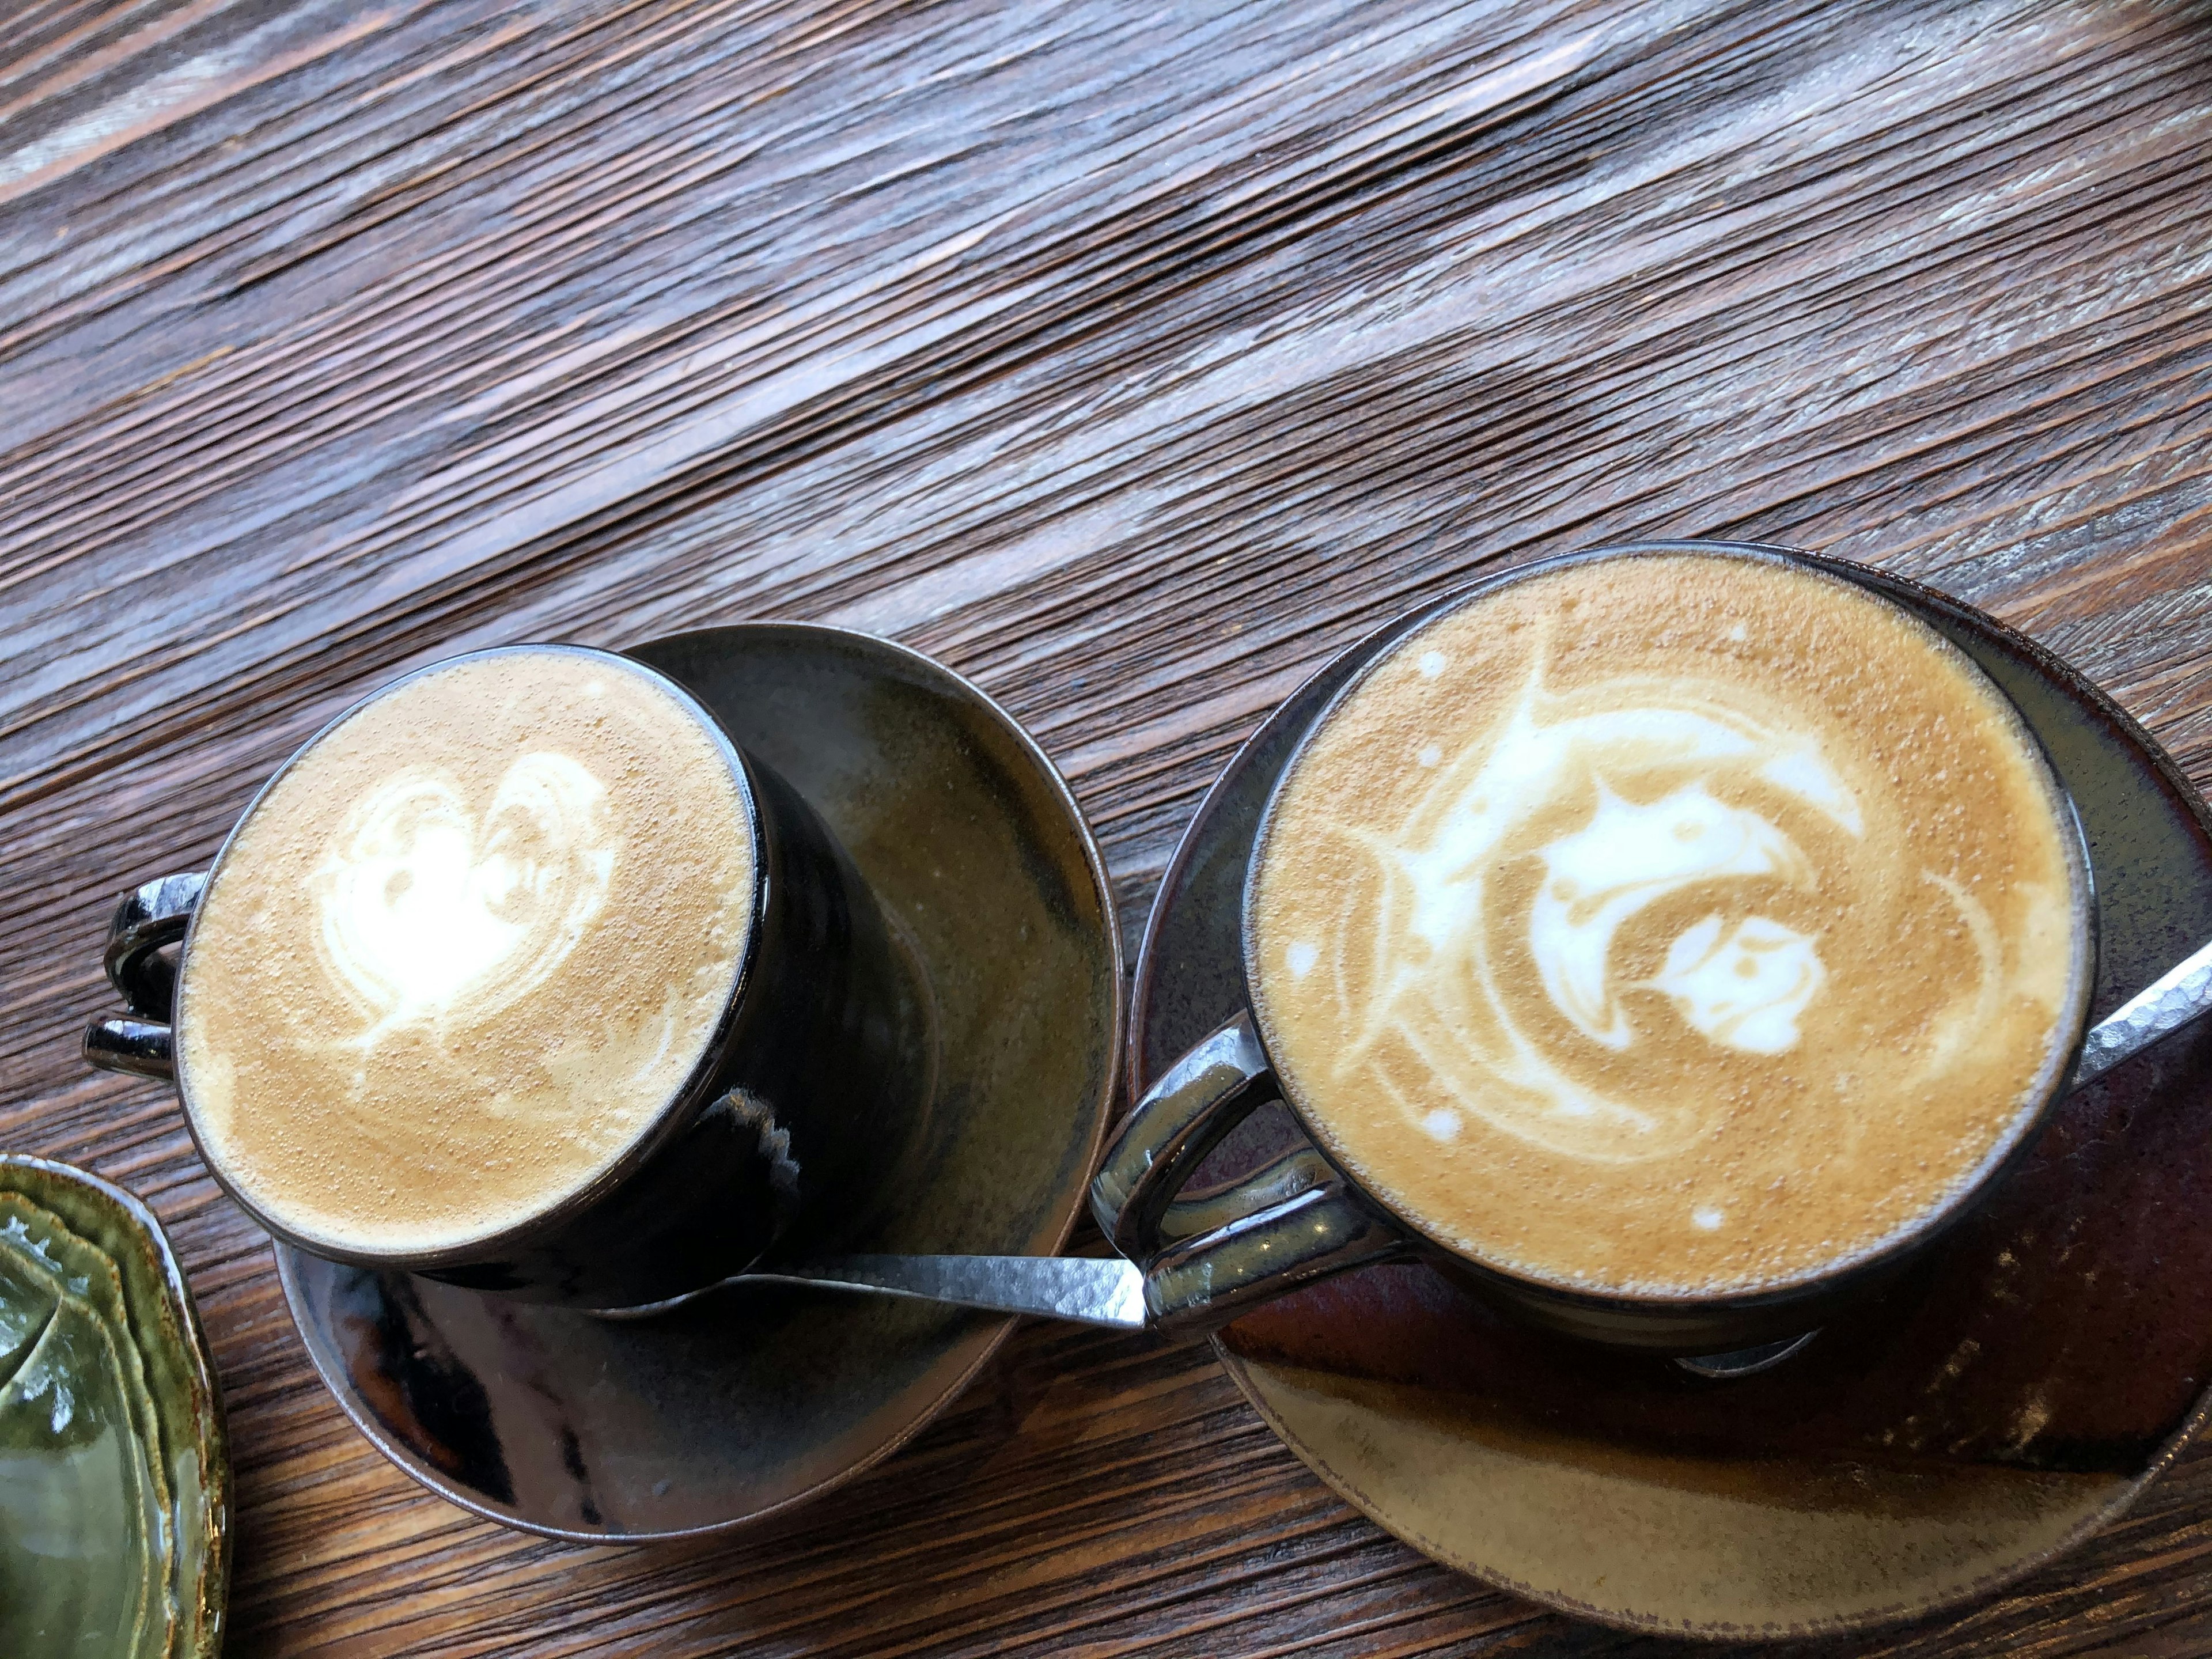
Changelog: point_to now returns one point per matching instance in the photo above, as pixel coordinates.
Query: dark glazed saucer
(1974, 1421)
(756, 1398)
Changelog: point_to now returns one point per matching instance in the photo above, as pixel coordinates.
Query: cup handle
(1206, 1260)
(149, 917)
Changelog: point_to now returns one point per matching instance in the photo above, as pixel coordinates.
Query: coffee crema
(1668, 924)
(465, 948)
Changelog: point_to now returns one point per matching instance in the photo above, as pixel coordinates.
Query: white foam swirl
(1434, 970)
(1627, 858)
(1747, 991)
(429, 914)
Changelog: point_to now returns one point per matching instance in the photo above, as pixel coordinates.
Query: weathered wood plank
(1131, 360)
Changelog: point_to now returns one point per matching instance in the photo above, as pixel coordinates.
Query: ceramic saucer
(114, 1483)
(753, 1398)
(1978, 1420)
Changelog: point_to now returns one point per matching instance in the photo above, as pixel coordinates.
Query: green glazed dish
(115, 1486)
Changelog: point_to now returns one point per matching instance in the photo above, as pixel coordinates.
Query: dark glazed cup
(1303, 1217)
(789, 1127)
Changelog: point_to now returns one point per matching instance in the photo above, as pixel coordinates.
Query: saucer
(1979, 1419)
(756, 1398)
(114, 1482)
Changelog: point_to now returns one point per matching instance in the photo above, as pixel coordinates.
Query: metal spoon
(1106, 1292)
(2169, 1002)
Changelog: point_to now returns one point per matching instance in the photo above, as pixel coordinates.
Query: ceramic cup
(1305, 1216)
(791, 1123)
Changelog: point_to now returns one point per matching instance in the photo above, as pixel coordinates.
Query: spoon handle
(1103, 1292)
(2167, 1004)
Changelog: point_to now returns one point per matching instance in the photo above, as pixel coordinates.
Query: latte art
(424, 919)
(1747, 991)
(1738, 979)
(464, 950)
(1668, 920)
(1629, 857)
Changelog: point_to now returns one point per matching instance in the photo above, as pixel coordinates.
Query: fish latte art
(1677, 922)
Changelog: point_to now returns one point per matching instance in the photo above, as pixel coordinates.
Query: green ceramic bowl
(114, 1487)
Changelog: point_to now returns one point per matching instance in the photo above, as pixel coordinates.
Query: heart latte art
(428, 913)
(1664, 922)
(464, 950)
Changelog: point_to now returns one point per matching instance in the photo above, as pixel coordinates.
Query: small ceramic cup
(791, 1122)
(1305, 1217)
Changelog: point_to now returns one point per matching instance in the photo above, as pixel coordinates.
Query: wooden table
(1132, 360)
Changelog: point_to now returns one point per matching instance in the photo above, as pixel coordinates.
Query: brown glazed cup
(790, 1125)
(1304, 1216)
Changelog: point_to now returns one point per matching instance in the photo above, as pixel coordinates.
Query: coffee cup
(520, 974)
(1671, 945)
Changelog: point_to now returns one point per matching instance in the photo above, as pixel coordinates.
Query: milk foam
(429, 914)
(1614, 917)
(1748, 991)
(1622, 861)
(465, 948)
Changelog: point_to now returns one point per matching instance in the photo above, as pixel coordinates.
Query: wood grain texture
(1130, 359)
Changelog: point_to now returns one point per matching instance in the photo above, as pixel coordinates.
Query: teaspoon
(1086, 1290)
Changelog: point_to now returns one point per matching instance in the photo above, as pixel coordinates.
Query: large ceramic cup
(1305, 1216)
(792, 1120)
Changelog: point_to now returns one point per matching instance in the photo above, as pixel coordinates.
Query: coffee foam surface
(1670, 923)
(463, 950)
